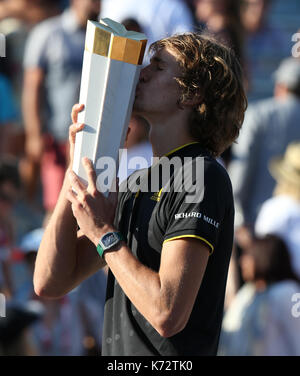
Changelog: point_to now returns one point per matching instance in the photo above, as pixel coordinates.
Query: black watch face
(109, 239)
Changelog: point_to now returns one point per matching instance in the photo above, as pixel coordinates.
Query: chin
(139, 108)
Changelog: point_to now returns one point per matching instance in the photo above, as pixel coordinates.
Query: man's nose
(144, 75)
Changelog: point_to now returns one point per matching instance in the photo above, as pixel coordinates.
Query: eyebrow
(157, 59)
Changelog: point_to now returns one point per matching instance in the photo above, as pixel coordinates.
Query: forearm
(66, 257)
(143, 287)
(32, 123)
(56, 258)
(31, 102)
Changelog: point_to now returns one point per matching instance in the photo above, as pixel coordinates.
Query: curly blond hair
(211, 72)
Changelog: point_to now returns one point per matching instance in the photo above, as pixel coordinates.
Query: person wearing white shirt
(281, 214)
(157, 18)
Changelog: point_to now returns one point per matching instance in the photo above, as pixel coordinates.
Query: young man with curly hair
(167, 257)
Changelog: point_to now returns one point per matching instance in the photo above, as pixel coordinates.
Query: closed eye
(158, 63)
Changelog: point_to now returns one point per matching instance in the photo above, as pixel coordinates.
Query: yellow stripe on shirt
(192, 236)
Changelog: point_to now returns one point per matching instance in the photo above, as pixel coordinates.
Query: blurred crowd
(40, 81)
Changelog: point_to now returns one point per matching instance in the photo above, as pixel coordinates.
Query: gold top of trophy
(111, 39)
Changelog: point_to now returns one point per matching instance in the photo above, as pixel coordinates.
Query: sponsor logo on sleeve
(198, 215)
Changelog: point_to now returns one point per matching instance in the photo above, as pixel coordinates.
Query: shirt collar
(187, 149)
(179, 148)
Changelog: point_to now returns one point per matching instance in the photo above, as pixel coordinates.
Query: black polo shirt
(147, 220)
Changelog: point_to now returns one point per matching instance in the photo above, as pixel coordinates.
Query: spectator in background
(68, 326)
(9, 189)
(269, 126)
(265, 47)
(259, 321)
(281, 214)
(53, 63)
(88, 300)
(157, 18)
(8, 114)
(50, 335)
(222, 19)
(13, 338)
(16, 19)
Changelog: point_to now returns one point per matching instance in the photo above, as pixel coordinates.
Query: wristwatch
(108, 241)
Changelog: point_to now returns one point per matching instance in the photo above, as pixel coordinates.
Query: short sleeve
(201, 220)
(36, 47)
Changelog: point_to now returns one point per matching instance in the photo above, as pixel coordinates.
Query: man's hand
(31, 106)
(73, 129)
(76, 127)
(94, 212)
